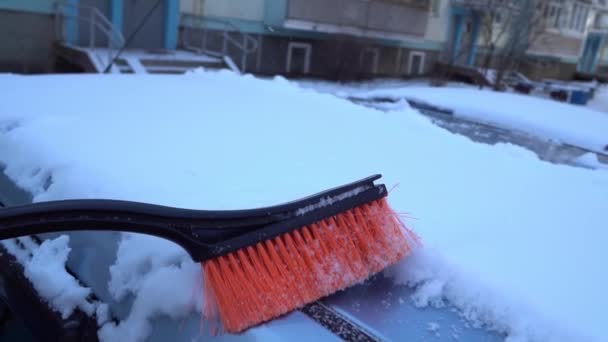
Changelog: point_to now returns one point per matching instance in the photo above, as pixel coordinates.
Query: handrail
(109, 26)
(228, 23)
(97, 22)
(249, 45)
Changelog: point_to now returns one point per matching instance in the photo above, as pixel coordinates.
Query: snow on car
(515, 245)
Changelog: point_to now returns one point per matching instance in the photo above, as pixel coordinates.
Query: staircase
(231, 38)
(102, 49)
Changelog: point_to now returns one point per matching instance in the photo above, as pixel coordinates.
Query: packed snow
(513, 242)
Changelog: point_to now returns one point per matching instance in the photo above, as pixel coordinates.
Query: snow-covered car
(494, 221)
(377, 310)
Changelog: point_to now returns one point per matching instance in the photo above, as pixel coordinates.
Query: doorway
(298, 58)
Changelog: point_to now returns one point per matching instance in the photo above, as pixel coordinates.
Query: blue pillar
(598, 52)
(474, 36)
(70, 24)
(458, 24)
(171, 24)
(580, 66)
(591, 51)
(116, 16)
(116, 13)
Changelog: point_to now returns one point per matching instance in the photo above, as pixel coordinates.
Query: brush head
(269, 278)
(257, 263)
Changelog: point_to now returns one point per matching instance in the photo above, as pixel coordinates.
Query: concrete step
(137, 61)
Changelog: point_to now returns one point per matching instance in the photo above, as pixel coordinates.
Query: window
(558, 16)
(415, 65)
(573, 16)
(553, 14)
(582, 23)
(298, 58)
(578, 17)
(435, 7)
(497, 17)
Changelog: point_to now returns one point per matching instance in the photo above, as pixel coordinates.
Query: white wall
(240, 9)
(437, 26)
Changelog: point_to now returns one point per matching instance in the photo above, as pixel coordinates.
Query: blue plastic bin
(579, 97)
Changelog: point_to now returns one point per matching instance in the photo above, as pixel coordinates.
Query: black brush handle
(203, 233)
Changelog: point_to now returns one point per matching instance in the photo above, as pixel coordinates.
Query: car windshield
(360, 170)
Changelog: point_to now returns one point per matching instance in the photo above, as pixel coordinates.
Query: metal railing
(246, 43)
(96, 22)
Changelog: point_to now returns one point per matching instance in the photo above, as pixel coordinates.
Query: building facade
(565, 37)
(341, 39)
(30, 28)
(337, 39)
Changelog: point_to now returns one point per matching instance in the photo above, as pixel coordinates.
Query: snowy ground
(512, 241)
(571, 124)
(600, 102)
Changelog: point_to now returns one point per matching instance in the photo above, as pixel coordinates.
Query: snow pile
(571, 124)
(513, 242)
(163, 279)
(45, 267)
(600, 100)
(484, 302)
(590, 160)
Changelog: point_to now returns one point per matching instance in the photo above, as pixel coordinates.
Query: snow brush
(257, 264)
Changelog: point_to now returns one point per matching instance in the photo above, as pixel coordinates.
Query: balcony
(382, 18)
(484, 5)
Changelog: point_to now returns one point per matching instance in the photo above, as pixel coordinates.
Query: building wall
(360, 16)
(40, 6)
(437, 24)
(151, 35)
(27, 39)
(337, 57)
(602, 69)
(240, 9)
(555, 44)
(548, 69)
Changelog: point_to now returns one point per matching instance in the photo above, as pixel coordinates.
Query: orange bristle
(261, 282)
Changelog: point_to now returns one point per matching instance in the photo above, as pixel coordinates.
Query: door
(298, 58)
(151, 34)
(416, 63)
